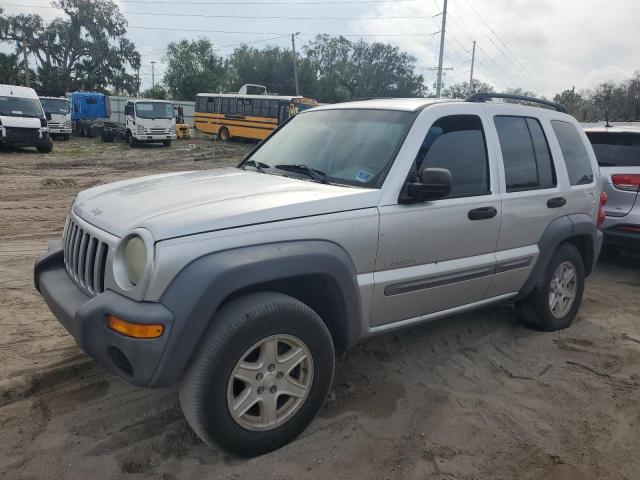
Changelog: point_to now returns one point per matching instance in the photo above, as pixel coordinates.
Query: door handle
(557, 202)
(483, 213)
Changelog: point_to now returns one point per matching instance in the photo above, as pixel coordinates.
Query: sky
(544, 46)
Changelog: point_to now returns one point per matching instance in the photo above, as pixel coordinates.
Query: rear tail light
(601, 213)
(626, 181)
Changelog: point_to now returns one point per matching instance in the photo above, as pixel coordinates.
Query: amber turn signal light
(135, 330)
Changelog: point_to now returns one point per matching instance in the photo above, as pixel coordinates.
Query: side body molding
(200, 288)
(576, 226)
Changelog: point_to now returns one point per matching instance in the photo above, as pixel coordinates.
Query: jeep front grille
(85, 258)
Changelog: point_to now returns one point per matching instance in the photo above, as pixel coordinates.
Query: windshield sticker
(16, 112)
(363, 176)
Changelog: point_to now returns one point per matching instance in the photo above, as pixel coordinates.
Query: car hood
(177, 204)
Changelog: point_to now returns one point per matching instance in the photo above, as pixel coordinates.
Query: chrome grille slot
(85, 257)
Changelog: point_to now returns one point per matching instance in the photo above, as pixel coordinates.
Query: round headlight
(135, 258)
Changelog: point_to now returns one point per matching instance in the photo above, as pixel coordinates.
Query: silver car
(349, 221)
(618, 153)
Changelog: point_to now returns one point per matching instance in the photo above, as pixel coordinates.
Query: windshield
(55, 105)
(20, 107)
(154, 110)
(353, 147)
(616, 149)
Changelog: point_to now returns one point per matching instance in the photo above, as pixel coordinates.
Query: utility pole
(295, 61)
(153, 74)
(26, 62)
(473, 61)
(138, 84)
(442, 36)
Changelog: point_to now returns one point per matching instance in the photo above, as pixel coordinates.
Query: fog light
(135, 330)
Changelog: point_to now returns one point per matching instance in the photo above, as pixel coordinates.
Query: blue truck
(89, 109)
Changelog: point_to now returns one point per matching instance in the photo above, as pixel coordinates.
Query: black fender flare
(196, 293)
(560, 230)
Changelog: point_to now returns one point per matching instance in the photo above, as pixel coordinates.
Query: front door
(438, 255)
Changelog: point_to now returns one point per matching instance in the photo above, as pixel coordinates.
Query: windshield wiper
(317, 175)
(259, 166)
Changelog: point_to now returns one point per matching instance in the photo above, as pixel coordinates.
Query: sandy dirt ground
(475, 396)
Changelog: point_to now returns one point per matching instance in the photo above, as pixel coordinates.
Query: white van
(23, 122)
(60, 110)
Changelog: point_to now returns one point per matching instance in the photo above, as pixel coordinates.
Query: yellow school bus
(245, 116)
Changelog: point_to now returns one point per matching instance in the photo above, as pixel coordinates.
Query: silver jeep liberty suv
(350, 220)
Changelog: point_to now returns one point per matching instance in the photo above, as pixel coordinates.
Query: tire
(236, 329)
(88, 132)
(81, 131)
(104, 135)
(223, 134)
(65, 137)
(535, 310)
(46, 148)
(166, 143)
(133, 143)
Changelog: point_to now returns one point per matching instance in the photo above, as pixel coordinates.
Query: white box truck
(60, 110)
(23, 121)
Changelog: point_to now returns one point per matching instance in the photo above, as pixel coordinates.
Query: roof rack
(482, 97)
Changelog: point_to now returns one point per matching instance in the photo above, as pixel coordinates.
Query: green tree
(271, 67)
(11, 70)
(348, 71)
(461, 90)
(87, 50)
(193, 67)
(158, 92)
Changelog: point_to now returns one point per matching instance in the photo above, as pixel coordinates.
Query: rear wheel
(555, 301)
(223, 134)
(261, 375)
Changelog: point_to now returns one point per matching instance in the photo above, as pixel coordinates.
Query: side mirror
(128, 110)
(47, 115)
(432, 184)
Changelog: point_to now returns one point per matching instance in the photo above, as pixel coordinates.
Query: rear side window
(574, 153)
(457, 143)
(616, 149)
(525, 152)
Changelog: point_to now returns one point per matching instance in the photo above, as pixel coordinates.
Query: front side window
(20, 107)
(525, 153)
(154, 110)
(615, 149)
(575, 154)
(457, 143)
(351, 147)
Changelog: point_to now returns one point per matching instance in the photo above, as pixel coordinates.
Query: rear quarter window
(574, 152)
(616, 149)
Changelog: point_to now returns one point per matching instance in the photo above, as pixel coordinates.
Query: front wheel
(133, 143)
(65, 137)
(554, 303)
(261, 375)
(166, 143)
(47, 147)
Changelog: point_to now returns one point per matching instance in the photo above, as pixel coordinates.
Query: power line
(296, 3)
(141, 27)
(243, 17)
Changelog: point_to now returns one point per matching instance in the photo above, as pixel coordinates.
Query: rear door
(618, 154)
(533, 194)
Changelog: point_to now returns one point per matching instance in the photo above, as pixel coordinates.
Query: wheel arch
(319, 273)
(579, 230)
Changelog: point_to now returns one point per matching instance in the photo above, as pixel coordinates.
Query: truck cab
(23, 122)
(87, 109)
(60, 110)
(150, 121)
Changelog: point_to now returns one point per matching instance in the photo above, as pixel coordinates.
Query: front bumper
(147, 137)
(59, 131)
(84, 317)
